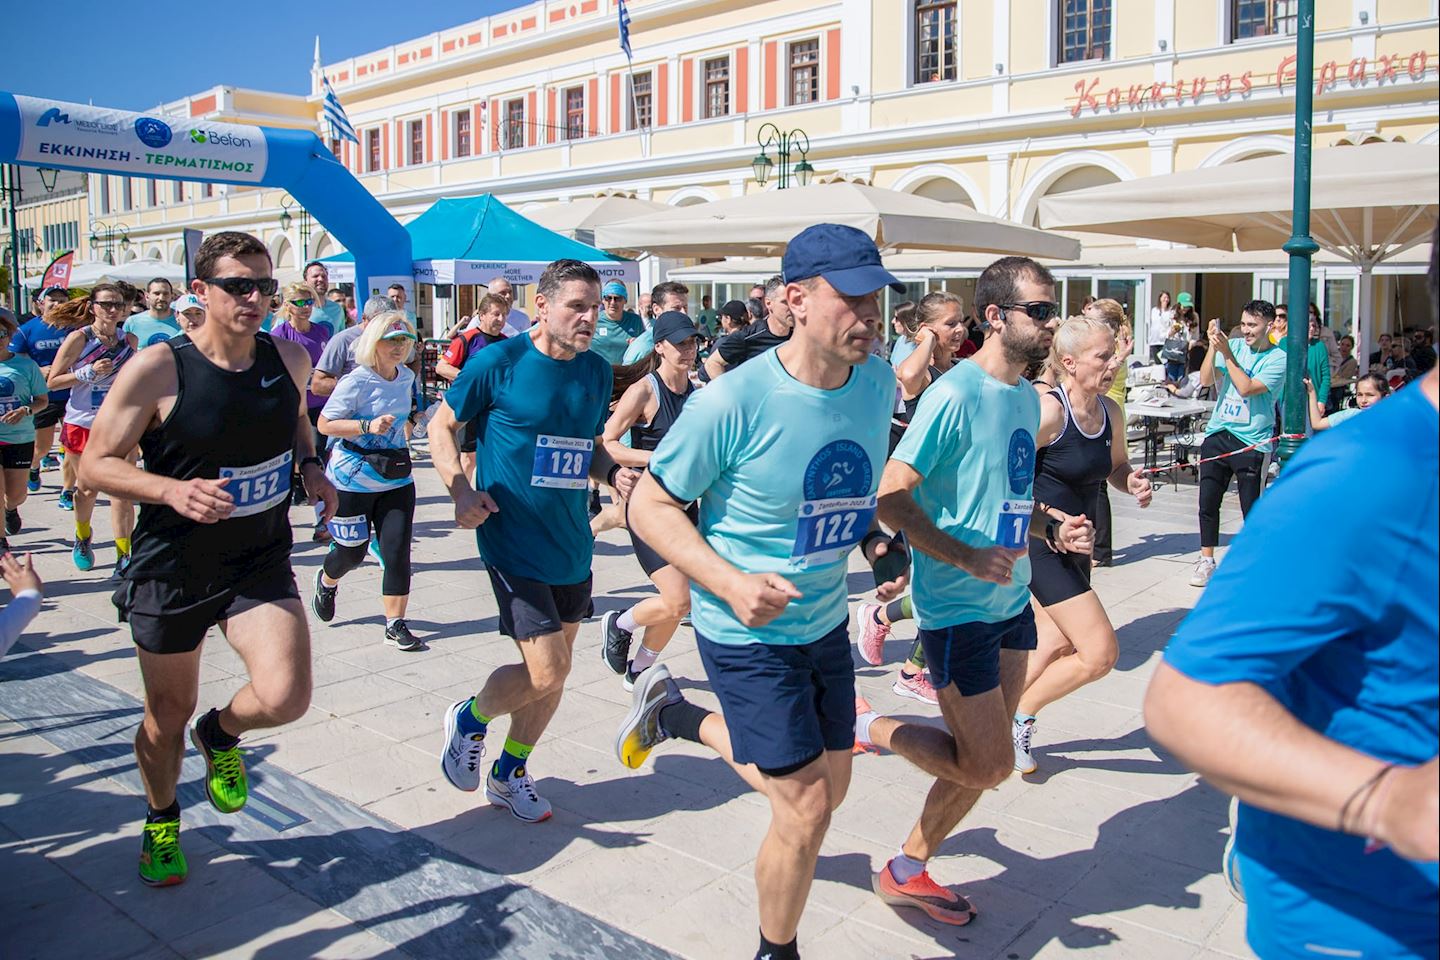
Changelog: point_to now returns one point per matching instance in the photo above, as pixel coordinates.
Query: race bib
(1014, 525)
(350, 531)
(562, 462)
(9, 404)
(829, 529)
(260, 487)
(97, 397)
(1233, 408)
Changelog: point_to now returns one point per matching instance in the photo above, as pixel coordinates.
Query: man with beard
(959, 487)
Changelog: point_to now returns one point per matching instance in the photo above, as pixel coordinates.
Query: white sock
(862, 729)
(626, 621)
(904, 869)
(643, 659)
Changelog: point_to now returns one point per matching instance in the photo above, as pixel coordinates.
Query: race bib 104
(827, 530)
(350, 531)
(562, 462)
(1014, 524)
(258, 488)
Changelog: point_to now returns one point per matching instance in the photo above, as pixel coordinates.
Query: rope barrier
(1146, 471)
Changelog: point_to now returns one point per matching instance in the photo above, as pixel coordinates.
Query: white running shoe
(1229, 860)
(1204, 570)
(518, 796)
(461, 756)
(1022, 732)
(872, 634)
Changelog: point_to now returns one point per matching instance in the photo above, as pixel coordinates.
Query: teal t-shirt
(1251, 419)
(1340, 416)
(786, 476)
(149, 330)
(612, 338)
(328, 311)
(641, 347)
(537, 422)
(20, 383)
(972, 440)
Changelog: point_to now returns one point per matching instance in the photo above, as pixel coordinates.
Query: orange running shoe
(941, 904)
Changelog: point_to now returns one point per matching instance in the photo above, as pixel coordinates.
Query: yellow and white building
(989, 103)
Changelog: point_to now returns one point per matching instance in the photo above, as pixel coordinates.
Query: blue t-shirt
(364, 394)
(149, 330)
(612, 338)
(20, 383)
(973, 441)
(537, 424)
(40, 342)
(329, 312)
(1251, 419)
(1346, 641)
(641, 347)
(786, 476)
(901, 349)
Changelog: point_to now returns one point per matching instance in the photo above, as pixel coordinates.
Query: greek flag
(625, 31)
(340, 127)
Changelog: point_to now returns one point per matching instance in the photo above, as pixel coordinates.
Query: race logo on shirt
(1020, 464)
(840, 469)
(7, 387)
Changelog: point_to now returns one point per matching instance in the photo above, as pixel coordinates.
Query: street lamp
(1301, 246)
(771, 135)
(104, 234)
(285, 220)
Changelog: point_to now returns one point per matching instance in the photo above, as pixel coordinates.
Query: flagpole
(635, 111)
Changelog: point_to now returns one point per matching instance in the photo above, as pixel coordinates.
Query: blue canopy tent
(473, 239)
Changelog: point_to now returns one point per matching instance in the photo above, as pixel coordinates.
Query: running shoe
(641, 732)
(225, 782)
(615, 645)
(628, 681)
(1021, 731)
(863, 706)
(461, 756)
(50, 462)
(322, 601)
(297, 495)
(518, 796)
(67, 500)
(122, 566)
(162, 862)
(12, 522)
(83, 554)
(920, 891)
(33, 483)
(594, 502)
(321, 534)
(374, 548)
(872, 634)
(1229, 860)
(400, 637)
(4, 545)
(916, 686)
(1204, 570)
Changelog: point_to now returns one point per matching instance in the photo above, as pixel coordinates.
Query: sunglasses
(608, 299)
(109, 304)
(1041, 311)
(244, 286)
(302, 303)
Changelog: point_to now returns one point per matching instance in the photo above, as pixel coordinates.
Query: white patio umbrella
(137, 272)
(579, 218)
(1368, 203)
(762, 224)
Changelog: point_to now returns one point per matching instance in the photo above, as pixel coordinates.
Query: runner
(87, 364)
(1248, 374)
(1081, 448)
(22, 394)
(757, 337)
(371, 471)
(159, 322)
(220, 416)
(40, 340)
(338, 358)
(665, 297)
(959, 489)
(616, 326)
(190, 311)
(648, 411)
(528, 506)
(488, 329)
(784, 457)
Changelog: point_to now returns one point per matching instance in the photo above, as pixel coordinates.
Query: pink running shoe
(872, 634)
(917, 686)
(863, 706)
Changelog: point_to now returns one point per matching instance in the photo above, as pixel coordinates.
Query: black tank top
(914, 401)
(646, 436)
(1070, 472)
(237, 424)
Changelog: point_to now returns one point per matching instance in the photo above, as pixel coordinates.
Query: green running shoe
(225, 781)
(162, 862)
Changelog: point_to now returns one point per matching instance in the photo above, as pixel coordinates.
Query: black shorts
(49, 416)
(469, 435)
(1056, 577)
(784, 704)
(529, 608)
(17, 456)
(165, 618)
(650, 561)
(969, 653)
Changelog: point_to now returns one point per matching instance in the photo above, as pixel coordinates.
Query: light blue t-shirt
(973, 441)
(328, 311)
(1251, 419)
(641, 347)
(20, 383)
(786, 476)
(612, 338)
(148, 330)
(901, 349)
(1340, 416)
(364, 394)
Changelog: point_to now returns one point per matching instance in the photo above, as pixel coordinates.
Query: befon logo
(153, 133)
(218, 139)
(53, 115)
(197, 136)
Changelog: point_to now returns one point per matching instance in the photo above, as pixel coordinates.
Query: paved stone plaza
(353, 845)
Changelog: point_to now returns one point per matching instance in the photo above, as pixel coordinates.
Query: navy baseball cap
(735, 310)
(674, 326)
(847, 258)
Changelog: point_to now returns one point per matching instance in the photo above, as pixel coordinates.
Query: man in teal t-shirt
(1248, 374)
(784, 458)
(616, 326)
(667, 296)
(158, 323)
(325, 309)
(539, 401)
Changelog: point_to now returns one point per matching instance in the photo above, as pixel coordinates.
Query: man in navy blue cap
(784, 456)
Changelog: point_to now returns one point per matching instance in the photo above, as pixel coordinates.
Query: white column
(856, 63)
(999, 199)
(1000, 50)
(1362, 44)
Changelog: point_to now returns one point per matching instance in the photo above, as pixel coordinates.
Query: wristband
(306, 461)
(610, 475)
(869, 539)
(1052, 531)
(364, 427)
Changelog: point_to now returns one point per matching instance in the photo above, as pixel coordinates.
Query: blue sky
(266, 45)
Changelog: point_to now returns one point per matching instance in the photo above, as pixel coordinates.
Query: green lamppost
(285, 220)
(105, 235)
(771, 135)
(1301, 246)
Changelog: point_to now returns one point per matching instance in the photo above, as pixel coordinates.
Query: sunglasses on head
(244, 286)
(1041, 311)
(307, 302)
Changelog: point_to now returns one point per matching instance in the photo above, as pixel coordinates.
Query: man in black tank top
(220, 417)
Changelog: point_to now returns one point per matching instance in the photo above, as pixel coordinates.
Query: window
(717, 87)
(104, 195)
(207, 190)
(62, 236)
(1262, 18)
(127, 195)
(642, 103)
(575, 113)
(804, 71)
(513, 137)
(417, 142)
(25, 236)
(1084, 30)
(152, 193)
(935, 47)
(372, 151)
(335, 147)
(462, 133)
(177, 191)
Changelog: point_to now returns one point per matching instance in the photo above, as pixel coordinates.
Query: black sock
(171, 812)
(777, 951)
(682, 720)
(214, 735)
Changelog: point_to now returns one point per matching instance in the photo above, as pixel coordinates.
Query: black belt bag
(392, 463)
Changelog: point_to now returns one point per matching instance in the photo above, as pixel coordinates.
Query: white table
(1153, 412)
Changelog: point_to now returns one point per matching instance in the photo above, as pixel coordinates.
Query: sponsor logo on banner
(153, 133)
(52, 115)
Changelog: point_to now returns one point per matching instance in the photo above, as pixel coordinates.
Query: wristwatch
(306, 461)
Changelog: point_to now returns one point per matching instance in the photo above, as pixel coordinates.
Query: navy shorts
(529, 608)
(969, 653)
(784, 705)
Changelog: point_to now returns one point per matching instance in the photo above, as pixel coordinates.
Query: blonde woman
(1113, 314)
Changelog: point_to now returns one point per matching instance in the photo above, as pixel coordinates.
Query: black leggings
(391, 514)
(1247, 468)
